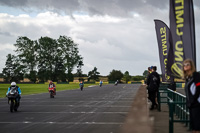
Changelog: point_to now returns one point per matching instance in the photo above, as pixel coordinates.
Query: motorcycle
(52, 92)
(100, 84)
(13, 100)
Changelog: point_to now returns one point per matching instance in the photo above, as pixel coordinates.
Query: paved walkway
(161, 121)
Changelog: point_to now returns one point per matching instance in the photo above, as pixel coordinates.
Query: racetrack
(93, 110)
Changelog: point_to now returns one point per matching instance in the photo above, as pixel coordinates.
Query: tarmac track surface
(93, 110)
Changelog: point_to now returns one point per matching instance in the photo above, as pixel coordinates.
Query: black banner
(182, 29)
(165, 50)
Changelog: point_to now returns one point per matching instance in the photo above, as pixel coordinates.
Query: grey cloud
(14, 3)
(122, 8)
(57, 6)
(161, 4)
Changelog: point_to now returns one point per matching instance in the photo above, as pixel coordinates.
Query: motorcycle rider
(116, 83)
(52, 85)
(14, 86)
(81, 84)
(100, 83)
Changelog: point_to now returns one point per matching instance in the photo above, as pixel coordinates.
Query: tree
(27, 52)
(46, 58)
(13, 71)
(56, 57)
(79, 70)
(48, 55)
(127, 77)
(1, 75)
(145, 73)
(59, 73)
(69, 54)
(115, 75)
(138, 78)
(94, 74)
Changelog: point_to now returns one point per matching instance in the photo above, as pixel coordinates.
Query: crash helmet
(13, 84)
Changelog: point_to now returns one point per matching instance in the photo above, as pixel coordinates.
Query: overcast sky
(112, 34)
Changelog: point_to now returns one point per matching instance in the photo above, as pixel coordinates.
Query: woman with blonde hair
(192, 91)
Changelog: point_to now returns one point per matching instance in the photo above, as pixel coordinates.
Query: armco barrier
(89, 82)
(48, 82)
(103, 82)
(136, 82)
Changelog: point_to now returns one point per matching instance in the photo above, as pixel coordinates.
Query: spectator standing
(153, 83)
(192, 91)
(149, 72)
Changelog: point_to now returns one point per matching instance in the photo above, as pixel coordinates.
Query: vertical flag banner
(165, 51)
(182, 29)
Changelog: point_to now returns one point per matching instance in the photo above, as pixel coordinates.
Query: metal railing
(177, 106)
(162, 95)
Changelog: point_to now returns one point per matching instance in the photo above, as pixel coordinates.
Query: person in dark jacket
(192, 91)
(153, 83)
(149, 72)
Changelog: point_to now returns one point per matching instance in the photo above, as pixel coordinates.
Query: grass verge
(28, 89)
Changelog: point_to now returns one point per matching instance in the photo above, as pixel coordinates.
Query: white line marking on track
(99, 106)
(92, 85)
(66, 123)
(83, 101)
(67, 101)
(69, 112)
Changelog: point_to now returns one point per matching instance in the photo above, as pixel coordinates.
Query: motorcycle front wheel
(12, 105)
(51, 95)
(16, 106)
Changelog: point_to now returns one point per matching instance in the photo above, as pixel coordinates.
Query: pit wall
(138, 120)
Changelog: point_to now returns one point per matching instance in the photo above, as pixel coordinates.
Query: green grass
(28, 89)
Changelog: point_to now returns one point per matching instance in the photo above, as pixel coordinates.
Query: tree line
(51, 59)
(45, 58)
